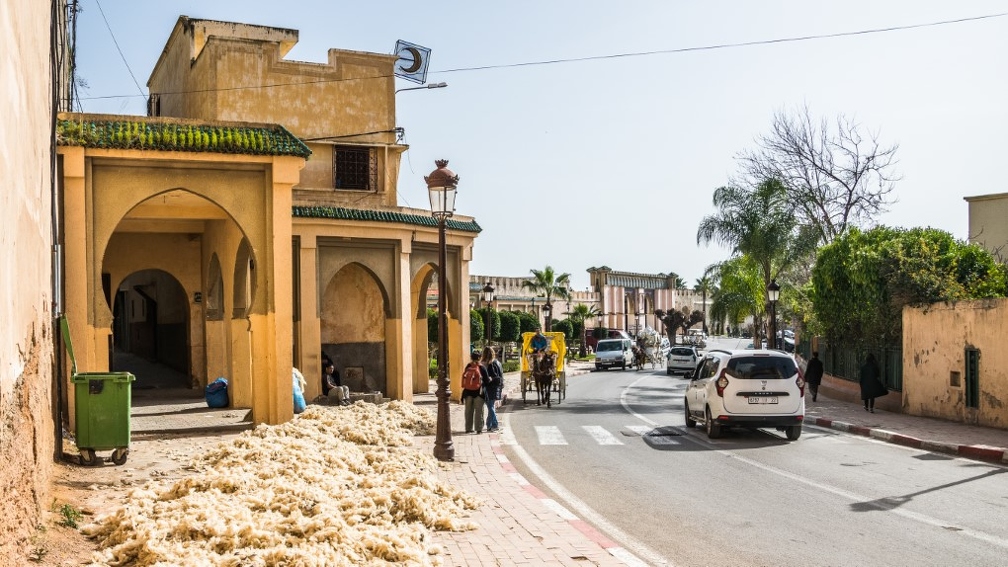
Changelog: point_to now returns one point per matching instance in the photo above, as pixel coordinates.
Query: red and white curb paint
(975, 452)
(613, 548)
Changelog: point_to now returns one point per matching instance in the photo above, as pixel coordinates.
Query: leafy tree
(476, 327)
(432, 325)
(680, 319)
(510, 326)
(528, 322)
(495, 322)
(862, 280)
(835, 175)
(600, 333)
(566, 327)
(548, 283)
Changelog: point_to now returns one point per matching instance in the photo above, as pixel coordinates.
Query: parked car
(610, 353)
(682, 360)
(746, 388)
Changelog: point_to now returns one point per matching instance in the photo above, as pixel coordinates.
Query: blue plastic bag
(299, 384)
(216, 393)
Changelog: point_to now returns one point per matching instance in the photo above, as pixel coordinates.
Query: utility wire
(594, 57)
(730, 45)
(107, 26)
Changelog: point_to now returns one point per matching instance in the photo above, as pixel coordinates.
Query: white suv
(746, 388)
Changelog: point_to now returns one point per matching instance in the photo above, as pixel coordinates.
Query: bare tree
(835, 175)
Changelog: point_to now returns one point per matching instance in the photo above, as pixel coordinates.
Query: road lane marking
(633, 550)
(550, 435)
(640, 429)
(601, 435)
(852, 496)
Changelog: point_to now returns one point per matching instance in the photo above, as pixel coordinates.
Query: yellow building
(250, 224)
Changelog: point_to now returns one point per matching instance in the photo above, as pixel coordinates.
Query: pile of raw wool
(335, 486)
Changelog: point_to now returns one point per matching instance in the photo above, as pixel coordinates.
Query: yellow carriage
(552, 342)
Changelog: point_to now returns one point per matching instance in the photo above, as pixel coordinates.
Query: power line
(107, 26)
(730, 45)
(588, 58)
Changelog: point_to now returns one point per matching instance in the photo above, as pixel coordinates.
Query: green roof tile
(344, 213)
(143, 133)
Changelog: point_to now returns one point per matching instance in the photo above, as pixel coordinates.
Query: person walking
(871, 383)
(474, 380)
(813, 374)
(495, 372)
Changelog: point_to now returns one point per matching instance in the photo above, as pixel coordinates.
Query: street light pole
(488, 290)
(440, 85)
(773, 294)
(441, 185)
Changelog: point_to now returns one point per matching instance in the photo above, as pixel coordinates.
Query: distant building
(988, 226)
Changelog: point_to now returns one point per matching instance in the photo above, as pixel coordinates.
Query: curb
(975, 452)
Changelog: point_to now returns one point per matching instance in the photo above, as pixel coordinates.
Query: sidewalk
(519, 524)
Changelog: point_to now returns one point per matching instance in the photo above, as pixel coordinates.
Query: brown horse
(544, 371)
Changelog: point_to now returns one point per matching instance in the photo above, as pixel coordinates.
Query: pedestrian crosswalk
(599, 435)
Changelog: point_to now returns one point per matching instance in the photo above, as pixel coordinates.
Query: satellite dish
(412, 62)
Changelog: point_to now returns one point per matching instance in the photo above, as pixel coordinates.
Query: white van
(610, 353)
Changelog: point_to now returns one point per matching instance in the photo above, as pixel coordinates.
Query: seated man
(337, 392)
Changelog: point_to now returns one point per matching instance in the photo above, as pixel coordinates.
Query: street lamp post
(548, 314)
(488, 290)
(441, 185)
(773, 294)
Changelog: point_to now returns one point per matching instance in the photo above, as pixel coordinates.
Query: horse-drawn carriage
(542, 366)
(647, 348)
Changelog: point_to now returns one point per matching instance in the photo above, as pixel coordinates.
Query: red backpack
(471, 377)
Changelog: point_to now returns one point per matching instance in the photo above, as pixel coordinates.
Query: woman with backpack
(474, 380)
(495, 372)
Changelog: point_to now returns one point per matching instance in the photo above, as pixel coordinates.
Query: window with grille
(354, 168)
(972, 378)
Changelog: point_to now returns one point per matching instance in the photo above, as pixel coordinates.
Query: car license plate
(762, 400)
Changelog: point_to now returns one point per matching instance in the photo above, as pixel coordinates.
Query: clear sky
(613, 160)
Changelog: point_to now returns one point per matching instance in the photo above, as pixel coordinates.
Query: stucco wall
(935, 339)
(987, 226)
(26, 424)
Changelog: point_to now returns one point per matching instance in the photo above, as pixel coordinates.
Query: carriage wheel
(524, 388)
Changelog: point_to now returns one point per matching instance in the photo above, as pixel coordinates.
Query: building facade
(249, 224)
(34, 71)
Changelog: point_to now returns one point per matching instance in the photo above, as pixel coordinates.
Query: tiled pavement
(520, 525)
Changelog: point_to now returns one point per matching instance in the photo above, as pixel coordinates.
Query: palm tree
(740, 294)
(677, 281)
(703, 285)
(581, 314)
(759, 224)
(546, 282)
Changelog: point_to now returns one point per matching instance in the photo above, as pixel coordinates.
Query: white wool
(334, 486)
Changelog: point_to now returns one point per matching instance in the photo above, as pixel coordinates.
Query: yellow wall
(987, 225)
(934, 342)
(350, 99)
(221, 200)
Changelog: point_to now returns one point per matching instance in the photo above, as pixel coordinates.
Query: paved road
(618, 454)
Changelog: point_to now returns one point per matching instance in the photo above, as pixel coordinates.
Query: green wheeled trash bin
(103, 402)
